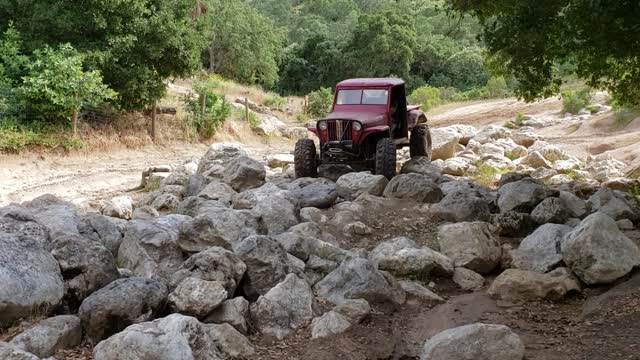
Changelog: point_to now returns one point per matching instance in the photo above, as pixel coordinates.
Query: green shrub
(16, 136)
(487, 175)
(207, 111)
(497, 87)
(515, 123)
(427, 96)
(302, 117)
(253, 120)
(574, 101)
(320, 102)
(275, 101)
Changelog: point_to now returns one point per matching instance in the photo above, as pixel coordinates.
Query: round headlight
(322, 125)
(357, 126)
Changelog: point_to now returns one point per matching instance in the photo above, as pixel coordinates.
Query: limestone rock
(473, 245)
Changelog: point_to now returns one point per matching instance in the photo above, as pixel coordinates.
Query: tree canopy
(532, 39)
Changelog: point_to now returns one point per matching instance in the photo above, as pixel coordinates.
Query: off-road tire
(304, 159)
(420, 142)
(385, 161)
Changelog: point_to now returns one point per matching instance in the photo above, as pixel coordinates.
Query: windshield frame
(362, 92)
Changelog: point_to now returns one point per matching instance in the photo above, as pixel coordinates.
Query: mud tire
(420, 142)
(304, 159)
(385, 161)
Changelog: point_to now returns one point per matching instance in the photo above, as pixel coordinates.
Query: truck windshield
(363, 97)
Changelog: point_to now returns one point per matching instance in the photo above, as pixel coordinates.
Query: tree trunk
(212, 59)
(203, 103)
(153, 122)
(74, 119)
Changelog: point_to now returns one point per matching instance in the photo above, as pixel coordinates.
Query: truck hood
(362, 116)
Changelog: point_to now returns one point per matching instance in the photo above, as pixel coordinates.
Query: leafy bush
(253, 120)
(15, 136)
(497, 87)
(427, 96)
(574, 101)
(515, 123)
(207, 111)
(320, 102)
(275, 101)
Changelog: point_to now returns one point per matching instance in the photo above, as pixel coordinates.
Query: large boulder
(234, 312)
(513, 223)
(415, 187)
(473, 245)
(18, 221)
(577, 207)
(516, 286)
(616, 204)
(286, 307)
(86, 267)
(421, 165)
(352, 185)
(175, 337)
(266, 261)
(213, 264)
(30, 278)
(219, 155)
(358, 278)
(551, 210)
(477, 342)
(50, 335)
(218, 191)
(119, 207)
(120, 304)
(10, 352)
(197, 297)
(275, 208)
(194, 206)
(308, 239)
(317, 193)
(244, 173)
(598, 252)
(232, 343)
(466, 132)
(492, 133)
(523, 195)
(444, 143)
(468, 279)
(221, 227)
(540, 251)
(340, 319)
(150, 248)
(106, 230)
(402, 256)
(463, 205)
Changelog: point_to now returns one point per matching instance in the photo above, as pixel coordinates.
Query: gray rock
(473, 245)
(523, 195)
(195, 184)
(306, 239)
(218, 227)
(145, 213)
(421, 165)
(598, 304)
(194, 206)
(50, 335)
(86, 267)
(286, 307)
(213, 264)
(415, 187)
(219, 155)
(513, 224)
(511, 177)
(244, 173)
(175, 337)
(58, 217)
(359, 278)
(104, 229)
(518, 286)
(540, 251)
(218, 191)
(340, 319)
(234, 312)
(577, 207)
(625, 224)
(150, 248)
(352, 185)
(10, 352)
(20, 222)
(418, 294)
(197, 297)
(120, 304)
(30, 276)
(598, 252)
(467, 279)
(275, 208)
(551, 210)
(459, 206)
(333, 171)
(616, 204)
(267, 264)
(231, 342)
(477, 342)
(317, 193)
(119, 207)
(402, 256)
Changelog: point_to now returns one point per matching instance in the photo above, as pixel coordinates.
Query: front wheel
(420, 142)
(304, 159)
(386, 158)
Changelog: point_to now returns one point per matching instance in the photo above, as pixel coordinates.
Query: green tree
(598, 37)
(383, 45)
(320, 102)
(136, 44)
(57, 85)
(244, 44)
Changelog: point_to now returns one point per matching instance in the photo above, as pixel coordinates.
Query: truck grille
(339, 130)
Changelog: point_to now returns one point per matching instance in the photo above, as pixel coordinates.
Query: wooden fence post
(153, 122)
(246, 109)
(74, 119)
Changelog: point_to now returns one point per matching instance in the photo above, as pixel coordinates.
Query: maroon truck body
(369, 119)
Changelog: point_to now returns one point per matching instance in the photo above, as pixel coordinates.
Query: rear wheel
(386, 158)
(420, 142)
(304, 157)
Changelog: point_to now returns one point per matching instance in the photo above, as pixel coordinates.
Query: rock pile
(225, 248)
